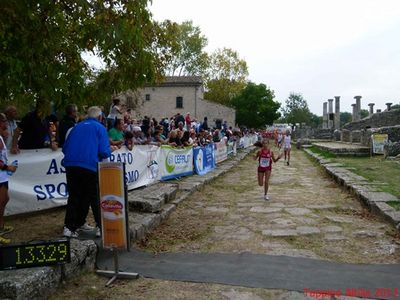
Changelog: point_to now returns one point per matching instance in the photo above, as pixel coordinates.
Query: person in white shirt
(11, 114)
(115, 112)
(5, 170)
(287, 146)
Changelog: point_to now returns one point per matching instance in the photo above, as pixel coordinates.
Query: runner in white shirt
(287, 146)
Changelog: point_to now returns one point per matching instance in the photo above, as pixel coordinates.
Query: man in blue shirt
(86, 144)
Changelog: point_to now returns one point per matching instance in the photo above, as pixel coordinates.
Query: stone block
(83, 257)
(279, 232)
(145, 204)
(345, 135)
(391, 149)
(355, 136)
(35, 283)
(306, 230)
(167, 211)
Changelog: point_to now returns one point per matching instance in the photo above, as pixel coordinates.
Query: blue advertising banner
(204, 159)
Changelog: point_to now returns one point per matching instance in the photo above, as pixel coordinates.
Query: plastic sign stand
(114, 215)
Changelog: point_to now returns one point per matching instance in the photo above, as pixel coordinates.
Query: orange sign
(113, 205)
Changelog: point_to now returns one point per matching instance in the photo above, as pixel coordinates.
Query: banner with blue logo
(175, 162)
(204, 159)
(141, 164)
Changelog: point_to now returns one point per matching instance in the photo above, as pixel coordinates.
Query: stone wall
(355, 136)
(313, 133)
(376, 120)
(214, 111)
(393, 133)
(345, 135)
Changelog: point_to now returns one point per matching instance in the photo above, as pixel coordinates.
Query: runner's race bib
(264, 162)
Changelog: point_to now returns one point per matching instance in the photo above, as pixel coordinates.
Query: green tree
(364, 113)
(345, 117)
(41, 43)
(226, 76)
(186, 56)
(255, 106)
(315, 121)
(296, 110)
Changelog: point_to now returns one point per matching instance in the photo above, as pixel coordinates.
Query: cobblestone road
(308, 215)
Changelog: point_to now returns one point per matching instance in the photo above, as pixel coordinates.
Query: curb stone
(364, 190)
(163, 198)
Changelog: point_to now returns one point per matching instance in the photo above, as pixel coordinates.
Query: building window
(147, 97)
(179, 102)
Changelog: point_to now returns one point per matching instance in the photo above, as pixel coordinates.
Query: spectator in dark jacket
(69, 121)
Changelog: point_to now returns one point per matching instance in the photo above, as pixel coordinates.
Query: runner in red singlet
(265, 157)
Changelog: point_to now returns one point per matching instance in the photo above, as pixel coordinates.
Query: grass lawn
(375, 169)
(323, 153)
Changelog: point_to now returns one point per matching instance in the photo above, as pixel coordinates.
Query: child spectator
(116, 135)
(128, 140)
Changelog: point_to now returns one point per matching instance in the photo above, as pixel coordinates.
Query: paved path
(260, 271)
(308, 215)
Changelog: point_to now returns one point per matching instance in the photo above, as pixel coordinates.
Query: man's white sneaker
(266, 197)
(69, 233)
(98, 232)
(86, 227)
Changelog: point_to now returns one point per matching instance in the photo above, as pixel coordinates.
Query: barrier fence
(40, 181)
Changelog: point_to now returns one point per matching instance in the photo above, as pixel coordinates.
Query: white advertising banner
(247, 141)
(221, 151)
(141, 164)
(39, 182)
(378, 142)
(175, 162)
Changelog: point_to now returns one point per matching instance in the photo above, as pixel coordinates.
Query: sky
(317, 48)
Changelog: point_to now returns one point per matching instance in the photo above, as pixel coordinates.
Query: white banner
(175, 162)
(221, 151)
(39, 182)
(141, 164)
(378, 142)
(247, 141)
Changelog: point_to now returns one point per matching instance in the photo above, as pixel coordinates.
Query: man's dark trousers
(83, 192)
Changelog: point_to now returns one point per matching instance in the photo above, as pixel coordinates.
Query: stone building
(177, 94)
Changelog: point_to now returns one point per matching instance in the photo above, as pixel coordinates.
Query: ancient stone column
(353, 116)
(371, 108)
(388, 106)
(337, 112)
(330, 112)
(325, 116)
(358, 107)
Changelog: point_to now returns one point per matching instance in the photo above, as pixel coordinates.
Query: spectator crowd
(42, 129)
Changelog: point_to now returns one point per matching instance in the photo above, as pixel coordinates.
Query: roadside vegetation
(323, 153)
(376, 169)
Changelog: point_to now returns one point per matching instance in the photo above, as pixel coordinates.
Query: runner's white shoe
(98, 232)
(86, 227)
(266, 197)
(69, 233)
